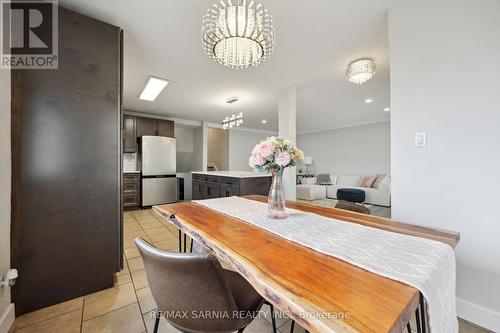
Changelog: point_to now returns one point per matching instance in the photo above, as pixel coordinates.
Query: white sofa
(379, 194)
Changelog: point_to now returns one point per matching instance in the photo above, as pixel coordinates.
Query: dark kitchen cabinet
(197, 191)
(210, 186)
(165, 128)
(252, 186)
(212, 191)
(146, 126)
(229, 187)
(129, 134)
(131, 191)
(214, 186)
(155, 127)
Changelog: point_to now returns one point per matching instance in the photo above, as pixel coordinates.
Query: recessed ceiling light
(232, 100)
(264, 121)
(387, 109)
(368, 100)
(154, 86)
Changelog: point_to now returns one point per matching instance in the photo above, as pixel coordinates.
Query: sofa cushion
(367, 181)
(348, 180)
(380, 178)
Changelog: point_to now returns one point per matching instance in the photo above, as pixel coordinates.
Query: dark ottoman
(351, 195)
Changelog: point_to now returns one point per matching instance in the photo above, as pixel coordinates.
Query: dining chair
(200, 249)
(194, 292)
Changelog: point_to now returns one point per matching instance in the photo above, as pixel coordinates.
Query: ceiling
(315, 40)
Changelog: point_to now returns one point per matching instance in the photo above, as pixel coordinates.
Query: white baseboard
(7, 318)
(478, 315)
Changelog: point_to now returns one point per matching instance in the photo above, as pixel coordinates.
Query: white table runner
(424, 264)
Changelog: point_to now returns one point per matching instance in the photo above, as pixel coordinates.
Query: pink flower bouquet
(275, 154)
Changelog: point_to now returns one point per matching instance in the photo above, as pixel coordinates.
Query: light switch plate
(420, 139)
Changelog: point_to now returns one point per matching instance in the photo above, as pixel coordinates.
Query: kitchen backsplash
(129, 162)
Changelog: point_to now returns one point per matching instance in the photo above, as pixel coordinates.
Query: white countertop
(178, 175)
(234, 174)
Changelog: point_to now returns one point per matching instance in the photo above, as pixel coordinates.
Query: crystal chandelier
(360, 71)
(234, 120)
(237, 34)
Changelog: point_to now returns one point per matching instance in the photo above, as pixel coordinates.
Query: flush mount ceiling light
(387, 109)
(153, 87)
(264, 121)
(368, 100)
(237, 34)
(360, 71)
(234, 120)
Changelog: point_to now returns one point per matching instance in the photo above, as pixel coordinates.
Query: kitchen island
(216, 184)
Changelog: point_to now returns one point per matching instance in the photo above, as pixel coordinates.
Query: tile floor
(126, 307)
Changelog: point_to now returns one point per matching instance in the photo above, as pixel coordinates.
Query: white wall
(198, 162)
(189, 148)
(241, 143)
(218, 148)
(445, 80)
(287, 109)
(6, 309)
(359, 150)
(185, 148)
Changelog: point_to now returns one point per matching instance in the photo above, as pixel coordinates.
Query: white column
(288, 129)
(205, 146)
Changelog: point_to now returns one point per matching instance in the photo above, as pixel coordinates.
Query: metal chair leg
(241, 330)
(157, 322)
(417, 319)
(273, 319)
(422, 313)
(185, 241)
(180, 241)
(408, 328)
(292, 326)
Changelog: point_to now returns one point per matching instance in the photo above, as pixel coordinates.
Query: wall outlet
(420, 140)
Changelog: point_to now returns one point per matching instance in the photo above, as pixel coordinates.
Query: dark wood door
(66, 150)
(146, 126)
(165, 128)
(130, 134)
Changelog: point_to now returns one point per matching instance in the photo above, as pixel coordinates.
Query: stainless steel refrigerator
(158, 166)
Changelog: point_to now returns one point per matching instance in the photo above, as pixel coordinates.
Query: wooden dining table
(320, 292)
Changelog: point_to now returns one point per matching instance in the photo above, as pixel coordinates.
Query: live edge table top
(322, 293)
